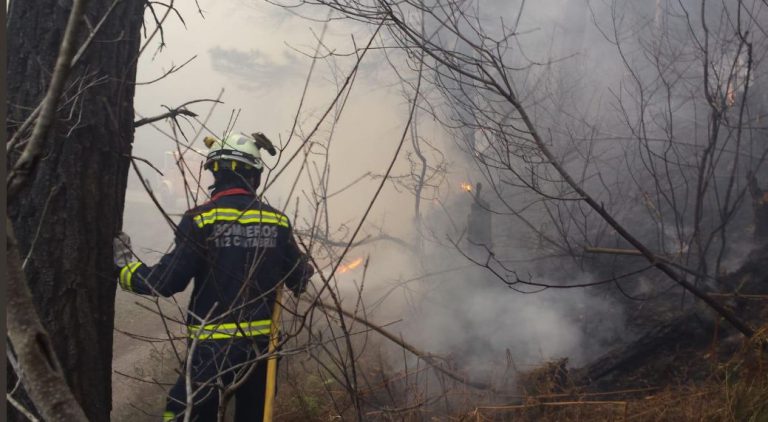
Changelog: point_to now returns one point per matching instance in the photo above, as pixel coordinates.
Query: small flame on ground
(351, 266)
(466, 187)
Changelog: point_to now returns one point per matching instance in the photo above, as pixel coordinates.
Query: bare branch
(42, 375)
(170, 114)
(26, 163)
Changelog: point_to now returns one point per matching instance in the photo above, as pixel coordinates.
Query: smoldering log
(692, 331)
(687, 331)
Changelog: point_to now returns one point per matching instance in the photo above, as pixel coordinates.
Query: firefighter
(237, 249)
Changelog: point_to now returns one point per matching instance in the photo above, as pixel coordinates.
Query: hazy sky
(257, 53)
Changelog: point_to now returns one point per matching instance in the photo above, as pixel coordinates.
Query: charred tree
(760, 208)
(71, 206)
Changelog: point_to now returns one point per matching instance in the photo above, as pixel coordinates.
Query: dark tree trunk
(69, 211)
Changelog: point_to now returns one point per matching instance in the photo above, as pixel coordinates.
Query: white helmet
(234, 148)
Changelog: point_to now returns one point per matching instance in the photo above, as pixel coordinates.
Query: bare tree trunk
(43, 379)
(67, 214)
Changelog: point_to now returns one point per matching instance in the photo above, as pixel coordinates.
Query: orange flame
(351, 266)
(466, 187)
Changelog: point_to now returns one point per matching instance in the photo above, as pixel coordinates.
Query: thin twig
(170, 114)
(21, 409)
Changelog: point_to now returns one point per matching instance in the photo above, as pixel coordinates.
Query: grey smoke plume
(630, 131)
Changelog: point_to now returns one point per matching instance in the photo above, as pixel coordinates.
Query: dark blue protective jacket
(237, 249)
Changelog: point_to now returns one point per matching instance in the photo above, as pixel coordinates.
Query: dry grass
(736, 389)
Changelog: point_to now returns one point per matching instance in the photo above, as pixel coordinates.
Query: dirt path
(142, 369)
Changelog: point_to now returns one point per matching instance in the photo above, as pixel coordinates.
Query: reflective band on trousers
(126, 274)
(243, 217)
(169, 416)
(230, 330)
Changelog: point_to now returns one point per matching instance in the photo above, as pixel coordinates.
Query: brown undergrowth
(732, 388)
(736, 389)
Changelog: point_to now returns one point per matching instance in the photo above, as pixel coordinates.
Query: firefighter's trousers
(217, 364)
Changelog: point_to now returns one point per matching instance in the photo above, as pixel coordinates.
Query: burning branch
(351, 266)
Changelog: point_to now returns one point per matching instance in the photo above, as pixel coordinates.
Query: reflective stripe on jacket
(230, 330)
